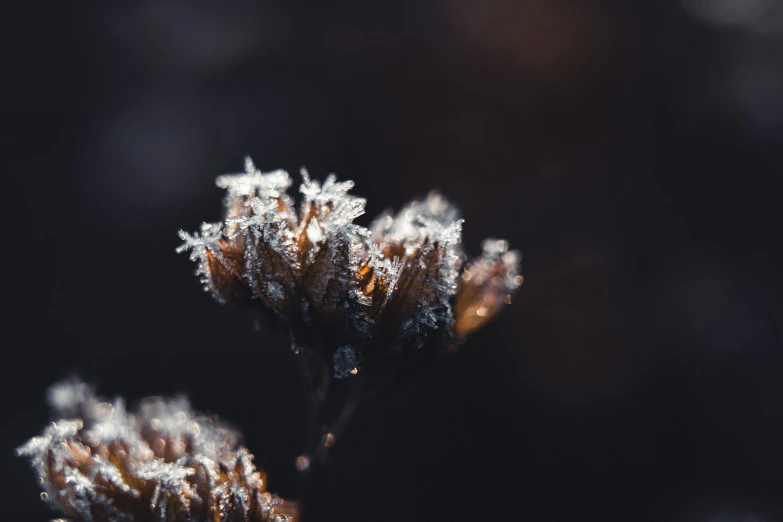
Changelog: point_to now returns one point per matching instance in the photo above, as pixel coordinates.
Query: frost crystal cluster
(350, 292)
(162, 463)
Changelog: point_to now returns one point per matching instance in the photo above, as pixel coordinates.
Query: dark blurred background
(629, 149)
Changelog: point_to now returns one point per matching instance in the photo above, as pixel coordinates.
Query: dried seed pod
(486, 285)
(161, 463)
(336, 284)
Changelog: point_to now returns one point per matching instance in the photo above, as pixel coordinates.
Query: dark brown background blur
(628, 149)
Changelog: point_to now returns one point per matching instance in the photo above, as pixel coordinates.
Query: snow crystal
(201, 243)
(253, 182)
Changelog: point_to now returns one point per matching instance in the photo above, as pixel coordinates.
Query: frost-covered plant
(162, 463)
(351, 293)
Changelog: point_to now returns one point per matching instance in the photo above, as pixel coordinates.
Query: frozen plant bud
(162, 463)
(486, 285)
(335, 284)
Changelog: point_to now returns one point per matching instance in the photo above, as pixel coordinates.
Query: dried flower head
(348, 291)
(162, 463)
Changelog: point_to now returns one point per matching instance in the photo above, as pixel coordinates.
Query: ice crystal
(162, 463)
(335, 284)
